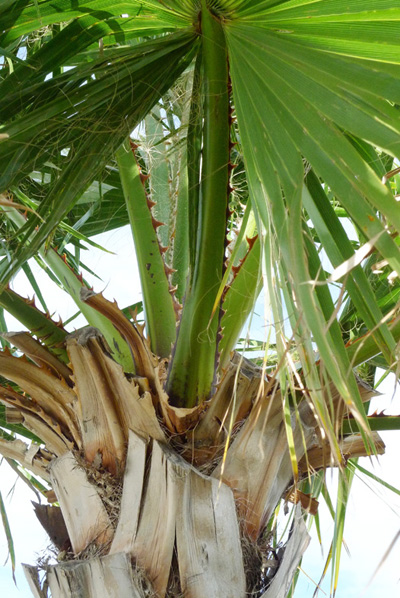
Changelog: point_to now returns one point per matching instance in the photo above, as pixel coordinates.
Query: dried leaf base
(137, 515)
(177, 534)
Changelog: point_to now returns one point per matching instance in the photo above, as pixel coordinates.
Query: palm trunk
(143, 520)
(155, 500)
(178, 533)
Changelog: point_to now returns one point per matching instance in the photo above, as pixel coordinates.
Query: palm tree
(248, 144)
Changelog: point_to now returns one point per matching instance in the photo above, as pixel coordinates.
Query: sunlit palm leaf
(293, 100)
(27, 17)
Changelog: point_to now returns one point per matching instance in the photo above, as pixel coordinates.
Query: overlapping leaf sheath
(92, 412)
(106, 425)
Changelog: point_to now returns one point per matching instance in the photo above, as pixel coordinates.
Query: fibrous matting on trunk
(125, 467)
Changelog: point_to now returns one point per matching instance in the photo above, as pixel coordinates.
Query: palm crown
(240, 140)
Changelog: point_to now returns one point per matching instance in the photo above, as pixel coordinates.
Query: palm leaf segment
(310, 92)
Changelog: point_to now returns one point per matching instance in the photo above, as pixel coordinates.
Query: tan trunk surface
(105, 577)
(125, 533)
(176, 504)
(84, 514)
(258, 466)
(208, 542)
(154, 540)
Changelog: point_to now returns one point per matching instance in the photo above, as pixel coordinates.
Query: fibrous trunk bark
(178, 533)
(175, 504)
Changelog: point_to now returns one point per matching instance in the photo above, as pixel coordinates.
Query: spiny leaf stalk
(192, 369)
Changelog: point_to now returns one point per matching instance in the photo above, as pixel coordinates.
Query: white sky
(373, 516)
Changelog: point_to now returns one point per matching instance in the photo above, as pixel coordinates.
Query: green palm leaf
(109, 106)
(24, 17)
(293, 99)
(303, 96)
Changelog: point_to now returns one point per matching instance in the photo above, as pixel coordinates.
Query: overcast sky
(373, 517)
